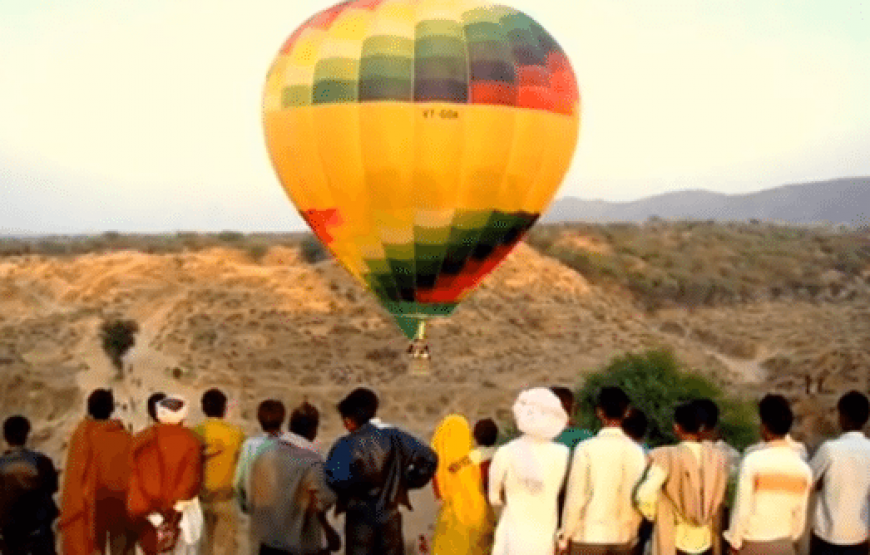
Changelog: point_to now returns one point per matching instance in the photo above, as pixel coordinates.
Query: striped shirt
(772, 492)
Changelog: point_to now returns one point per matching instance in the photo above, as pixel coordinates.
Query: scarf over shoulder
(692, 490)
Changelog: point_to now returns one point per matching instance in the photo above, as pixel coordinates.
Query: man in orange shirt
(222, 445)
(165, 471)
(96, 476)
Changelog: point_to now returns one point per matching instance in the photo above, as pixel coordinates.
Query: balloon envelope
(420, 140)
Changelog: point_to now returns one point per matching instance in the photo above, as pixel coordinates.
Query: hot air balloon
(420, 140)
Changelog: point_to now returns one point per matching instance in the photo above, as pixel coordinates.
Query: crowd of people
(554, 488)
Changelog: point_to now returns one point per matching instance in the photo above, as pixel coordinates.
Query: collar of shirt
(298, 441)
(856, 434)
(612, 431)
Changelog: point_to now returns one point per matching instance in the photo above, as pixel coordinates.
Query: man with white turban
(165, 473)
(526, 476)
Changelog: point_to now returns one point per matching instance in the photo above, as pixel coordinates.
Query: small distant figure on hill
(684, 488)
(165, 474)
(841, 472)
(571, 436)
(270, 414)
(465, 522)
(96, 476)
(527, 474)
(599, 514)
(371, 470)
(486, 437)
(222, 445)
(289, 496)
(773, 489)
(708, 411)
(28, 481)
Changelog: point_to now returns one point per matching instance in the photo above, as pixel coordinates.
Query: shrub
(312, 250)
(257, 250)
(118, 337)
(656, 384)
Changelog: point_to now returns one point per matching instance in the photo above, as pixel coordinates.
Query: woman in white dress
(526, 476)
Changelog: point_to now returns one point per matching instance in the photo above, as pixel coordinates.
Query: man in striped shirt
(772, 489)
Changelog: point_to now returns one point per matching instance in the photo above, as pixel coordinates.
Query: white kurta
(529, 520)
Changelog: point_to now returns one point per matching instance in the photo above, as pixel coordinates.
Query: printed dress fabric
(465, 521)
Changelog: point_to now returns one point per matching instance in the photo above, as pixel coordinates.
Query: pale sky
(145, 116)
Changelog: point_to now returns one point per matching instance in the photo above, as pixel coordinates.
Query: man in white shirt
(773, 489)
(683, 489)
(841, 472)
(599, 517)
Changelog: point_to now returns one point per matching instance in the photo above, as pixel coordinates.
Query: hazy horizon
(107, 127)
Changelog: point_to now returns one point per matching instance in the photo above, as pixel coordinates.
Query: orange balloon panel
(420, 140)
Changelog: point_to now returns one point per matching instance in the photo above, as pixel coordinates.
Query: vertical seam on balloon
(376, 230)
(462, 155)
(507, 164)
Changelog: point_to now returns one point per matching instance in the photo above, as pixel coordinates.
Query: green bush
(656, 384)
(312, 250)
(117, 338)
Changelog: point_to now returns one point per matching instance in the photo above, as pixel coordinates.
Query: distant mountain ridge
(838, 201)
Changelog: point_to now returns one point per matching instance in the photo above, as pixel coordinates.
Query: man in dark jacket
(28, 480)
(371, 469)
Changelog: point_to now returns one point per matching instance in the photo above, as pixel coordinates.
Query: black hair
(854, 410)
(776, 415)
(635, 424)
(15, 430)
(214, 403)
(486, 432)
(566, 397)
(152, 404)
(271, 415)
(361, 405)
(708, 412)
(613, 402)
(688, 418)
(101, 404)
(304, 421)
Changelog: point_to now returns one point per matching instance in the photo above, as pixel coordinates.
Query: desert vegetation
(708, 264)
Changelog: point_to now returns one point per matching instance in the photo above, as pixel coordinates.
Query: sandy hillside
(283, 328)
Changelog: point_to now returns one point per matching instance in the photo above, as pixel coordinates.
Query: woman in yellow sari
(465, 522)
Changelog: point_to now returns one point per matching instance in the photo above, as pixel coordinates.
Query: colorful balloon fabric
(420, 140)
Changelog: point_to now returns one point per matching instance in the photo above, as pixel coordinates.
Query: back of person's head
(854, 411)
(214, 403)
(101, 404)
(15, 430)
(635, 424)
(688, 418)
(613, 402)
(566, 397)
(304, 421)
(360, 406)
(708, 412)
(776, 416)
(271, 414)
(152, 404)
(486, 432)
